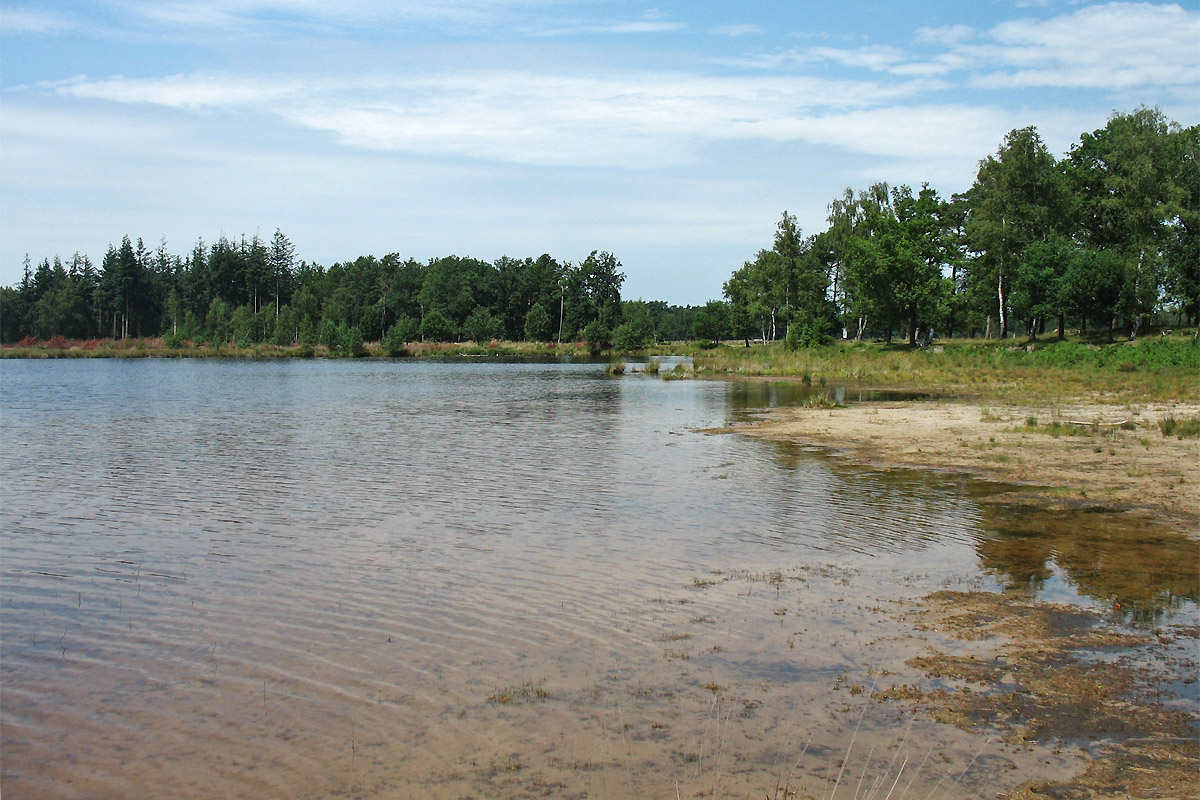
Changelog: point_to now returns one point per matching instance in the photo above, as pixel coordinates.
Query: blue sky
(672, 134)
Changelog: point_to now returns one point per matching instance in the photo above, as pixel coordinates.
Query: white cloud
(631, 120)
(23, 20)
(183, 91)
(1113, 46)
(352, 12)
(738, 30)
(946, 34)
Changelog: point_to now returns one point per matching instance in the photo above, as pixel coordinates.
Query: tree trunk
(1003, 304)
(988, 333)
(1062, 326)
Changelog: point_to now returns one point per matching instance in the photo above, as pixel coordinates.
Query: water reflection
(1139, 567)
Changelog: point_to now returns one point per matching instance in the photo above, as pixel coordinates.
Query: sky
(671, 134)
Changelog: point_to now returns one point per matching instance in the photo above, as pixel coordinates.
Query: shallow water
(417, 579)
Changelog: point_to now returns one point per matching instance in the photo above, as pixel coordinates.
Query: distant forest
(1106, 238)
(250, 291)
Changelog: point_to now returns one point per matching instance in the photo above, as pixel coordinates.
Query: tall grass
(1151, 369)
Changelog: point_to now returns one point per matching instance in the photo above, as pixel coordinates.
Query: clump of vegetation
(652, 366)
(822, 400)
(679, 372)
(616, 368)
(527, 692)
(1186, 428)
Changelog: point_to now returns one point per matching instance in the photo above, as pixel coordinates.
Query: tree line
(1105, 238)
(250, 291)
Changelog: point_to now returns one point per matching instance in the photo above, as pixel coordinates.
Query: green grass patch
(1148, 369)
(1185, 428)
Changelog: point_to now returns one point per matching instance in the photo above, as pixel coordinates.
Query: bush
(481, 326)
(398, 336)
(329, 335)
(351, 341)
(597, 336)
(812, 333)
(436, 328)
(629, 336)
(539, 327)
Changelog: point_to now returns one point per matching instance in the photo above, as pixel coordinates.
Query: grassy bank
(1160, 368)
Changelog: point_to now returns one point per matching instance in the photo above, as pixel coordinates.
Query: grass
(527, 692)
(1162, 368)
(1187, 428)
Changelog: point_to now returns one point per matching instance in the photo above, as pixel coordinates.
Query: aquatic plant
(527, 692)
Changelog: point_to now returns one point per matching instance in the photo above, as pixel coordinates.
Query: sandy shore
(1130, 466)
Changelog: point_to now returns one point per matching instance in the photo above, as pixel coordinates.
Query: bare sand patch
(1111, 455)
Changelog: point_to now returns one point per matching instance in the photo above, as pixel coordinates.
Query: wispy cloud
(945, 34)
(652, 21)
(1119, 45)
(1114, 46)
(25, 20)
(624, 120)
(738, 30)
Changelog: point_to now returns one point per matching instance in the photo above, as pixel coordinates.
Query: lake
(324, 578)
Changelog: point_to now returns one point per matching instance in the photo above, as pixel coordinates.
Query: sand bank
(1117, 457)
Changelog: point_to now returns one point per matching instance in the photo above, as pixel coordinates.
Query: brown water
(394, 579)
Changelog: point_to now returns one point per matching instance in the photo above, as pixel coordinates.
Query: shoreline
(1023, 663)
(1110, 456)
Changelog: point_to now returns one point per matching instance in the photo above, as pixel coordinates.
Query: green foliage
(435, 327)
(711, 321)
(628, 336)
(597, 336)
(219, 320)
(351, 340)
(812, 333)
(286, 328)
(538, 326)
(329, 335)
(395, 341)
(481, 326)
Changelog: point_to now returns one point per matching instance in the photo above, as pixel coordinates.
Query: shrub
(481, 326)
(351, 341)
(597, 336)
(539, 327)
(436, 328)
(629, 336)
(395, 341)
